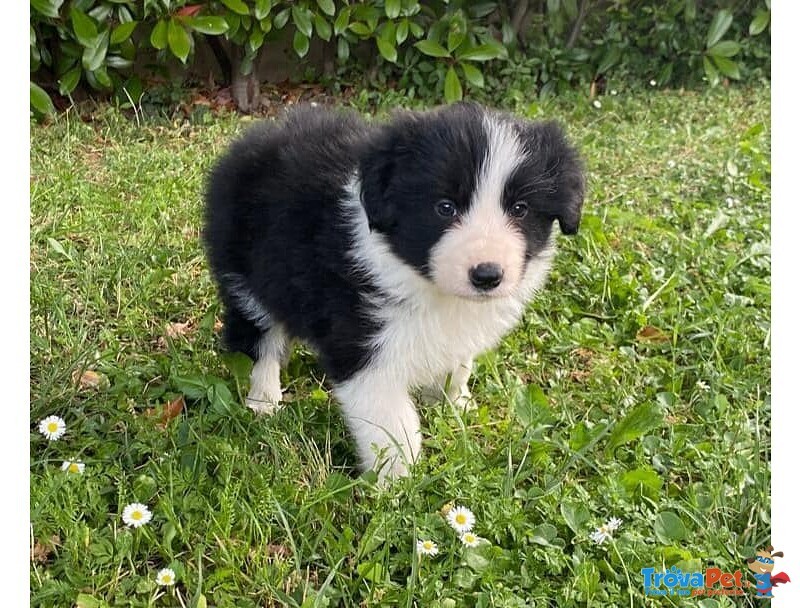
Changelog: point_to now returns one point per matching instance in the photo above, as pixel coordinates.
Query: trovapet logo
(714, 581)
(762, 565)
(676, 582)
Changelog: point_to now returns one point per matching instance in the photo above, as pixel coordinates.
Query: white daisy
(652, 83)
(73, 466)
(596, 103)
(613, 91)
(52, 427)
(468, 539)
(600, 535)
(136, 514)
(461, 519)
(165, 576)
(427, 547)
(613, 524)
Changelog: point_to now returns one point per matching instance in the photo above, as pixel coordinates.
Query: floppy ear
(562, 172)
(380, 160)
(377, 168)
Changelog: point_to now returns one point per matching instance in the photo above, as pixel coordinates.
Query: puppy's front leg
(456, 390)
(383, 421)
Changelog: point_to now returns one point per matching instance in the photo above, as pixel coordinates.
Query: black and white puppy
(397, 251)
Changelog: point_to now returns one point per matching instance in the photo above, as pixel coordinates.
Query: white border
(15, 307)
(785, 322)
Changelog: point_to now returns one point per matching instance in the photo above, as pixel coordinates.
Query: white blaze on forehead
(504, 153)
(485, 234)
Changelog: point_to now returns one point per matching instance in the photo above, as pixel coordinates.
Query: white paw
(461, 398)
(264, 402)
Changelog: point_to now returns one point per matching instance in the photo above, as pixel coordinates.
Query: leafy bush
(432, 48)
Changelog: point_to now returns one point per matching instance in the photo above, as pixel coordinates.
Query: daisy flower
(468, 539)
(596, 103)
(73, 466)
(461, 519)
(601, 534)
(166, 577)
(52, 427)
(427, 547)
(613, 524)
(136, 514)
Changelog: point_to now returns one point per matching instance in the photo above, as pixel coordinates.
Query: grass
(637, 387)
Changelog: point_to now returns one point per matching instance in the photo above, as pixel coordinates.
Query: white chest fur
(425, 338)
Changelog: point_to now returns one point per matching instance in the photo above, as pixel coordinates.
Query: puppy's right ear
(377, 169)
(384, 155)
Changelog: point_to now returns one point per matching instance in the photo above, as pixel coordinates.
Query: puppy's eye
(519, 209)
(446, 208)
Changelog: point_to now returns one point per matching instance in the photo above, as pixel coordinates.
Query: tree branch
(578, 24)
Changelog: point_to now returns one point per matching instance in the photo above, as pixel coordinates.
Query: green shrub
(431, 49)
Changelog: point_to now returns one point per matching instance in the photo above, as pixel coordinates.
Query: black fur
(274, 219)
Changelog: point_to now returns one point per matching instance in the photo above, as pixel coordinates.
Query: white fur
(426, 334)
(382, 419)
(452, 387)
(265, 378)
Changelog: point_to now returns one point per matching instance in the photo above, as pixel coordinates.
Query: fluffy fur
(397, 251)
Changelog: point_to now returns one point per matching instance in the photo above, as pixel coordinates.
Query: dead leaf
(41, 551)
(170, 411)
(280, 551)
(175, 330)
(578, 375)
(648, 333)
(89, 380)
(189, 11)
(217, 326)
(584, 355)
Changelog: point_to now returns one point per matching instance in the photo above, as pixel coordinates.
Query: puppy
(397, 251)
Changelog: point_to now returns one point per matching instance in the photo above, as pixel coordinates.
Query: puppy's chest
(420, 342)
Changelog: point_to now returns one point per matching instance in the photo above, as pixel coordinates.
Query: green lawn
(637, 387)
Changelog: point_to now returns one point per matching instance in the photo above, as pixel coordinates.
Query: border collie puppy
(397, 251)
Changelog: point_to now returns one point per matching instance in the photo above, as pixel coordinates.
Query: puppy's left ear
(563, 173)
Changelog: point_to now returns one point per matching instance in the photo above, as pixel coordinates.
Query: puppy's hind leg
(265, 379)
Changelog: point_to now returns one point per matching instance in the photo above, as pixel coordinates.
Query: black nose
(486, 276)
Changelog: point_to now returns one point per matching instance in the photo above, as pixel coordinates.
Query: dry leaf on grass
(648, 333)
(176, 330)
(171, 410)
(89, 380)
(280, 551)
(41, 551)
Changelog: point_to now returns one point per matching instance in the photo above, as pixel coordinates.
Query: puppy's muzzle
(486, 276)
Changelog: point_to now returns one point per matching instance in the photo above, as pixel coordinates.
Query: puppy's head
(468, 197)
